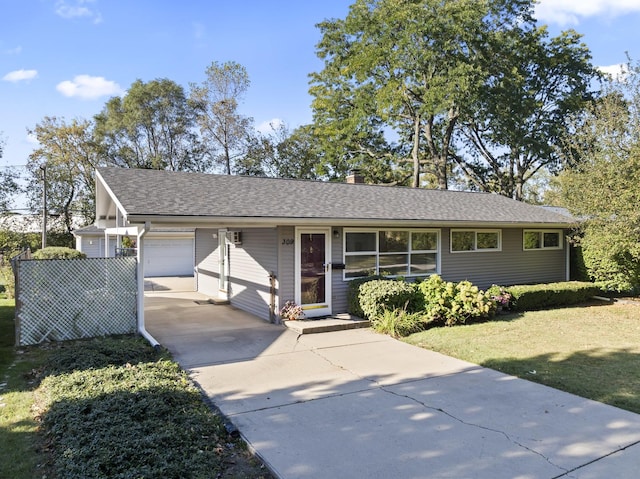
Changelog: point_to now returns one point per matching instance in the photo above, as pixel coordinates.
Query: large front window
(391, 252)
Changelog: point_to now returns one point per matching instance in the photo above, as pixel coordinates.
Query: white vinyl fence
(63, 299)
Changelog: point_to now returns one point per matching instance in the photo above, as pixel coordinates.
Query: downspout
(140, 277)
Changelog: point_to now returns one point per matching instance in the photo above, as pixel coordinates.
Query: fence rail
(59, 300)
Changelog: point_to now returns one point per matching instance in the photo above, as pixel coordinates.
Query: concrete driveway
(355, 404)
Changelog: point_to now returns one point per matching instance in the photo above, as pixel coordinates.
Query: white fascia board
(123, 231)
(108, 190)
(246, 222)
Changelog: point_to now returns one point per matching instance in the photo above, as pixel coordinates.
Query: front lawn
(108, 407)
(591, 351)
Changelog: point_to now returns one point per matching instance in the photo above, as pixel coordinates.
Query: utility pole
(44, 206)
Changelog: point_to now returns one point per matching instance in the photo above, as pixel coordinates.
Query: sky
(66, 58)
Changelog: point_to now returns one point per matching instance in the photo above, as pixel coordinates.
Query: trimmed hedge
(379, 294)
(353, 295)
(58, 252)
(550, 295)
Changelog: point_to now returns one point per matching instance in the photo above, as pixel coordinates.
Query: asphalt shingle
(180, 194)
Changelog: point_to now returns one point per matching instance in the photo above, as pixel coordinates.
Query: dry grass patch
(591, 351)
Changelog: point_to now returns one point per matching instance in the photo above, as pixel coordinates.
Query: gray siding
(339, 287)
(510, 266)
(250, 265)
(286, 265)
(206, 259)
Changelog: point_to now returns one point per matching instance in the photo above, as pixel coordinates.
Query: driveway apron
(355, 404)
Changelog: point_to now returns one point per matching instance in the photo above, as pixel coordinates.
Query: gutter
(140, 257)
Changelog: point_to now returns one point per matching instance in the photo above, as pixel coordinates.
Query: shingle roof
(153, 193)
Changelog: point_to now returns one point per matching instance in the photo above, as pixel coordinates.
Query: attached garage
(166, 252)
(168, 257)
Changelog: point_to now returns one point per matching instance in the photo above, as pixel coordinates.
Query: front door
(313, 271)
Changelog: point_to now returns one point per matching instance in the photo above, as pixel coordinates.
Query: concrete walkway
(355, 404)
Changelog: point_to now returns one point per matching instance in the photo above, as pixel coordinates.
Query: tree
(8, 184)
(66, 157)
(514, 129)
(216, 102)
(601, 183)
(406, 69)
(151, 127)
(281, 153)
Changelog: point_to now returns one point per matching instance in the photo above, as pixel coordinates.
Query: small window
(472, 240)
(541, 239)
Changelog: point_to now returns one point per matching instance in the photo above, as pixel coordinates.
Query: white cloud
(20, 75)
(618, 72)
(566, 12)
(78, 9)
(88, 87)
(270, 126)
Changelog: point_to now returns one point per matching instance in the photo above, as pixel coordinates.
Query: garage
(168, 257)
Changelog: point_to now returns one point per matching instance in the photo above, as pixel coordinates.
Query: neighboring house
(168, 252)
(262, 241)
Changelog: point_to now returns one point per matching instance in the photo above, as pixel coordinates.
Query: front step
(324, 325)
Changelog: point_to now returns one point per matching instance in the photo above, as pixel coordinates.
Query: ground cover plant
(592, 351)
(108, 407)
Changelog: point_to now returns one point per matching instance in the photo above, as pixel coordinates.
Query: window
(542, 239)
(392, 252)
(472, 240)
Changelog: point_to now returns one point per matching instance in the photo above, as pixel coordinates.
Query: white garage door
(168, 257)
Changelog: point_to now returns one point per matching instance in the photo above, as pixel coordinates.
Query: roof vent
(355, 177)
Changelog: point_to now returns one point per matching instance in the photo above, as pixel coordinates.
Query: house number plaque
(287, 241)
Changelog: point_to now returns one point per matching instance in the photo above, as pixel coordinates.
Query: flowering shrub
(501, 296)
(291, 311)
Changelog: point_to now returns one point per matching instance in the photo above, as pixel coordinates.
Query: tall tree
(151, 127)
(216, 102)
(602, 183)
(281, 153)
(9, 187)
(406, 68)
(513, 130)
(66, 157)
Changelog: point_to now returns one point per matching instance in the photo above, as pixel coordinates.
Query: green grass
(109, 407)
(18, 428)
(591, 351)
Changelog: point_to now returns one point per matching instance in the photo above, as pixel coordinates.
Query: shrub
(501, 296)
(447, 303)
(377, 295)
(398, 322)
(58, 252)
(353, 295)
(7, 281)
(541, 296)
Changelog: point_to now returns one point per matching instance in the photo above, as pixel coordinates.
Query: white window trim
(475, 232)
(377, 253)
(542, 247)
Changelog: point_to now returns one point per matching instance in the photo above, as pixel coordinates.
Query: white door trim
(317, 309)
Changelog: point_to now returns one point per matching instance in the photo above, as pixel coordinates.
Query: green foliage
(152, 126)
(448, 303)
(119, 408)
(353, 295)
(377, 295)
(70, 155)
(398, 322)
(215, 104)
(602, 184)
(551, 295)
(7, 281)
(58, 252)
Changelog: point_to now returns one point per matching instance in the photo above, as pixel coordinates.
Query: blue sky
(66, 58)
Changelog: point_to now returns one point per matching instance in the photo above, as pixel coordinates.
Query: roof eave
(245, 221)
